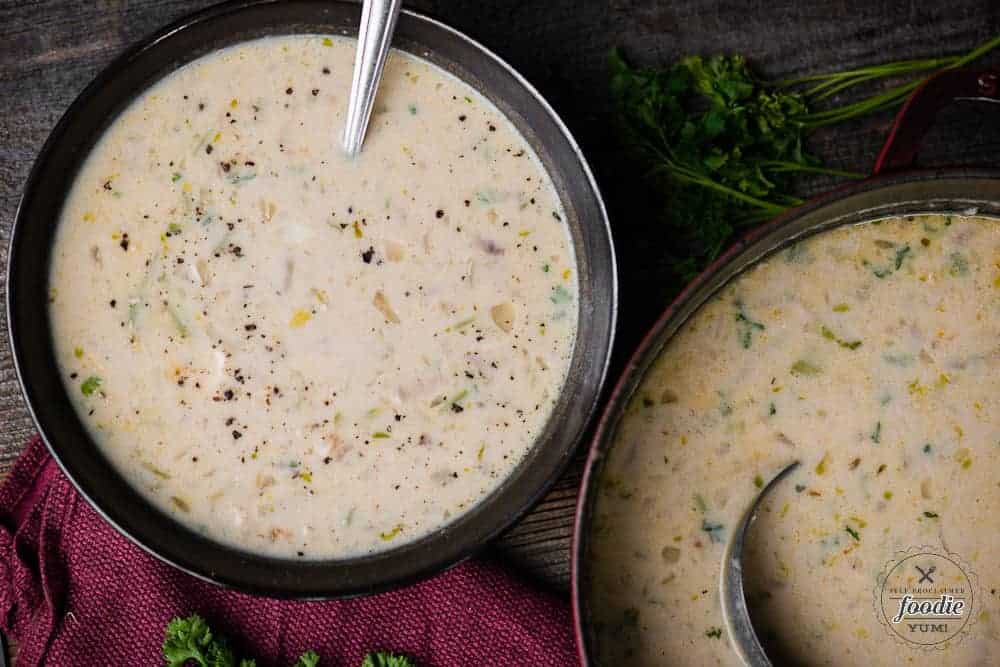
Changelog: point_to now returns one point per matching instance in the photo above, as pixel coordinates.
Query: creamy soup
(870, 354)
(295, 352)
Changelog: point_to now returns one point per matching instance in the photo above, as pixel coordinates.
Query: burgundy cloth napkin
(73, 591)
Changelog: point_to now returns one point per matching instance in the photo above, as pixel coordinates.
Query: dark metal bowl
(82, 461)
(900, 192)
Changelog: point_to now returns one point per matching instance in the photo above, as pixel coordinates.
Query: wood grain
(50, 49)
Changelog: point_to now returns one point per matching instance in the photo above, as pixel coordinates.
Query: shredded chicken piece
(383, 306)
(503, 316)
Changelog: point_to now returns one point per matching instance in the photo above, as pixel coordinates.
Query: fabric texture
(73, 591)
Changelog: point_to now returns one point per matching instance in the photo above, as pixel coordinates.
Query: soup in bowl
(293, 371)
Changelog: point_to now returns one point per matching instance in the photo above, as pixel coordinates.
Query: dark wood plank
(50, 49)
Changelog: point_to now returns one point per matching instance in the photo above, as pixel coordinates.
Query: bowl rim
(447, 553)
(699, 292)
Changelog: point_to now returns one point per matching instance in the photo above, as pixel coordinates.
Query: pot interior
(955, 191)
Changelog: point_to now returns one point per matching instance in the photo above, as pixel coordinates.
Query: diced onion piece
(503, 316)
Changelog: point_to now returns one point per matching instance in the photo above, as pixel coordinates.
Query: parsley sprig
(190, 641)
(724, 147)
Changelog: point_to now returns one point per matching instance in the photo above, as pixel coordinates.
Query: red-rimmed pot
(896, 188)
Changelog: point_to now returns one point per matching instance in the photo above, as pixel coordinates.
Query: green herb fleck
(240, 179)
(78, 352)
(714, 530)
(958, 265)
(380, 435)
(876, 435)
(725, 405)
(848, 344)
(927, 448)
(853, 533)
(392, 533)
(90, 385)
(931, 515)
(758, 481)
(772, 410)
(412, 109)
(804, 368)
(458, 326)
(901, 255)
(175, 177)
(746, 326)
(797, 254)
(714, 633)
(699, 503)
(178, 321)
(560, 295)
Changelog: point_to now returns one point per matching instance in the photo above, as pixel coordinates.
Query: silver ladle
(734, 602)
(378, 22)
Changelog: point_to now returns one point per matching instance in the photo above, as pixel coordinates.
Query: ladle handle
(378, 22)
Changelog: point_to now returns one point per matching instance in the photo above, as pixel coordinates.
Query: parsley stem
(898, 67)
(784, 167)
(884, 100)
(878, 102)
(844, 85)
(685, 174)
(693, 178)
(975, 53)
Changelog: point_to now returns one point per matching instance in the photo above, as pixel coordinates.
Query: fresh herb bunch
(724, 147)
(189, 641)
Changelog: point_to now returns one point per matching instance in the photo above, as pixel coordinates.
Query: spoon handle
(378, 21)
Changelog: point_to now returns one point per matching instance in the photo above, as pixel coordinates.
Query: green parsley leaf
(307, 659)
(386, 659)
(90, 385)
(191, 639)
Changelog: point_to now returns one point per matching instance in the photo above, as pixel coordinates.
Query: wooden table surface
(50, 49)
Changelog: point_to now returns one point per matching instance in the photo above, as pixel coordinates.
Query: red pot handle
(918, 113)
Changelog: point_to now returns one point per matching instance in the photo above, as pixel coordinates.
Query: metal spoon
(734, 602)
(378, 21)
